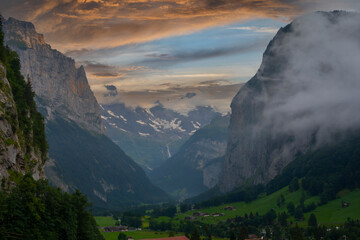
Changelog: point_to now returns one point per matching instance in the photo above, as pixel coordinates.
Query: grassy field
(145, 222)
(261, 206)
(144, 234)
(331, 213)
(105, 221)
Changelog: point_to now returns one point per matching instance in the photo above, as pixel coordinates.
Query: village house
(115, 229)
(198, 214)
(254, 237)
(169, 238)
(190, 218)
(229, 208)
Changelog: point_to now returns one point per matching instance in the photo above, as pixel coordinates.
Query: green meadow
(330, 213)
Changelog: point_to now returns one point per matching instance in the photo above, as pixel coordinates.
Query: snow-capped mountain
(152, 135)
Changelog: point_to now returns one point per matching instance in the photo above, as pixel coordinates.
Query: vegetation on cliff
(32, 209)
(30, 125)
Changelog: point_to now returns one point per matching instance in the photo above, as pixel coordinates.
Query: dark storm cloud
(111, 91)
(110, 87)
(190, 95)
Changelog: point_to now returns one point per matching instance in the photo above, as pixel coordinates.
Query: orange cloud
(76, 24)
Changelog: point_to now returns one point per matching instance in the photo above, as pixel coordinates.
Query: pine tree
(195, 234)
(312, 222)
(122, 236)
(243, 233)
(232, 235)
(296, 233)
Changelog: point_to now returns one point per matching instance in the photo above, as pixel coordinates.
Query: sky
(182, 53)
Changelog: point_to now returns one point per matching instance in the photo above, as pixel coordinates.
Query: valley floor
(143, 234)
(331, 213)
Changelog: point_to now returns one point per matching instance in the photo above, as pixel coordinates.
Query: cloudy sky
(182, 53)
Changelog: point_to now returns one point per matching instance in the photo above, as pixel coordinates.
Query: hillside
(116, 180)
(330, 213)
(317, 182)
(195, 168)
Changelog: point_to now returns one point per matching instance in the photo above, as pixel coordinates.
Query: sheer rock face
(12, 154)
(303, 96)
(61, 88)
(82, 156)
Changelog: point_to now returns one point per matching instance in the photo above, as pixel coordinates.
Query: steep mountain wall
(81, 156)
(304, 95)
(15, 155)
(60, 87)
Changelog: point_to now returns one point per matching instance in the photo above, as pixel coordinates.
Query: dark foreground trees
(34, 210)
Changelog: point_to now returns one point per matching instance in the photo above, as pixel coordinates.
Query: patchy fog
(319, 88)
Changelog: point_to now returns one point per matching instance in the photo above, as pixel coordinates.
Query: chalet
(190, 218)
(215, 214)
(229, 208)
(115, 229)
(169, 238)
(253, 237)
(198, 214)
(345, 204)
(206, 215)
(222, 214)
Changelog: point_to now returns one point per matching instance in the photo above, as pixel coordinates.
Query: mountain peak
(60, 87)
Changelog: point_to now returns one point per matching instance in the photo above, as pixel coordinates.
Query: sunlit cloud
(127, 50)
(72, 24)
(179, 97)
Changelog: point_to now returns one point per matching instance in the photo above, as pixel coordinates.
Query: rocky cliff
(302, 97)
(18, 153)
(60, 87)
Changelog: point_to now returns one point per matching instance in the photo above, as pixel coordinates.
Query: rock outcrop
(302, 97)
(60, 87)
(14, 159)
